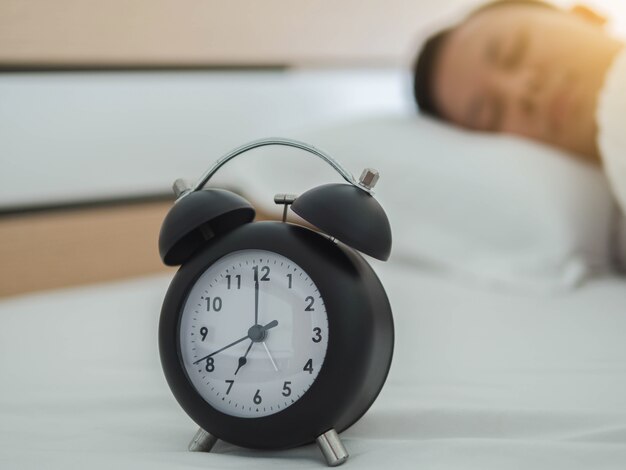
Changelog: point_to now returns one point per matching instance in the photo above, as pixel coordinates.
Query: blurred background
(104, 104)
(506, 276)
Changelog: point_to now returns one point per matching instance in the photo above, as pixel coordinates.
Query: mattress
(480, 380)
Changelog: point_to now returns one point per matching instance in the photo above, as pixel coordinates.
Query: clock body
(319, 364)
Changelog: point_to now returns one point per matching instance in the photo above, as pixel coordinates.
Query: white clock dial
(253, 333)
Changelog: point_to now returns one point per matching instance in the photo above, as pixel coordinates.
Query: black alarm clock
(274, 335)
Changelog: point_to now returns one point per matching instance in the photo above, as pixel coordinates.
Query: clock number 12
(265, 270)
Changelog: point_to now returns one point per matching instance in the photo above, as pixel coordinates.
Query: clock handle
(366, 183)
(347, 212)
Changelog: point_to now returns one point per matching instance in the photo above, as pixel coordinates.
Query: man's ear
(588, 14)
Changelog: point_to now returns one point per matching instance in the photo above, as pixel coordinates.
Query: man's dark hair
(423, 73)
(426, 61)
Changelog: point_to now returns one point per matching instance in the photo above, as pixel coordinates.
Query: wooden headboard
(94, 33)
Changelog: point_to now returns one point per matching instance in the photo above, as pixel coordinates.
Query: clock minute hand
(256, 299)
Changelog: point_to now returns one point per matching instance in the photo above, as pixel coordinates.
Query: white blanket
(611, 128)
(480, 380)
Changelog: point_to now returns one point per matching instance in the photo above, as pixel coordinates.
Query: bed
(480, 380)
(509, 311)
(87, 135)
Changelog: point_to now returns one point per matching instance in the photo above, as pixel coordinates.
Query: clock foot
(202, 442)
(332, 448)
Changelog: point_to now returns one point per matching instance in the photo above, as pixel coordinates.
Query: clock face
(253, 333)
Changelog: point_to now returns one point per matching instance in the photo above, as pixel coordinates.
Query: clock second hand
(271, 324)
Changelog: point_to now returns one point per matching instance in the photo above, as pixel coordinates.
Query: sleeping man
(528, 68)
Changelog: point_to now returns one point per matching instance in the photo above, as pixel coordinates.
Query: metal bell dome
(349, 214)
(197, 217)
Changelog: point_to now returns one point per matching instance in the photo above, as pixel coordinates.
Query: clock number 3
(318, 335)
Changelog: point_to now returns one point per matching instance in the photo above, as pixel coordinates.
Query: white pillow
(495, 209)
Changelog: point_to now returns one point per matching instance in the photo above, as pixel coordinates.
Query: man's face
(525, 70)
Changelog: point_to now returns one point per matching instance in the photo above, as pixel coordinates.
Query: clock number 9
(266, 273)
(210, 365)
(203, 332)
(216, 304)
(257, 398)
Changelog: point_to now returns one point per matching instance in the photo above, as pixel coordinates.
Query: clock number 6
(257, 398)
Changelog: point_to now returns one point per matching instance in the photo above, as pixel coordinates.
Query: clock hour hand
(271, 324)
(220, 350)
(242, 359)
(257, 334)
(252, 334)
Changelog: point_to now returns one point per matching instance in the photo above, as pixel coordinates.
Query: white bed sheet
(480, 380)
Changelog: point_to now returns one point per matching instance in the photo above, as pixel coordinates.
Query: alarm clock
(273, 334)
